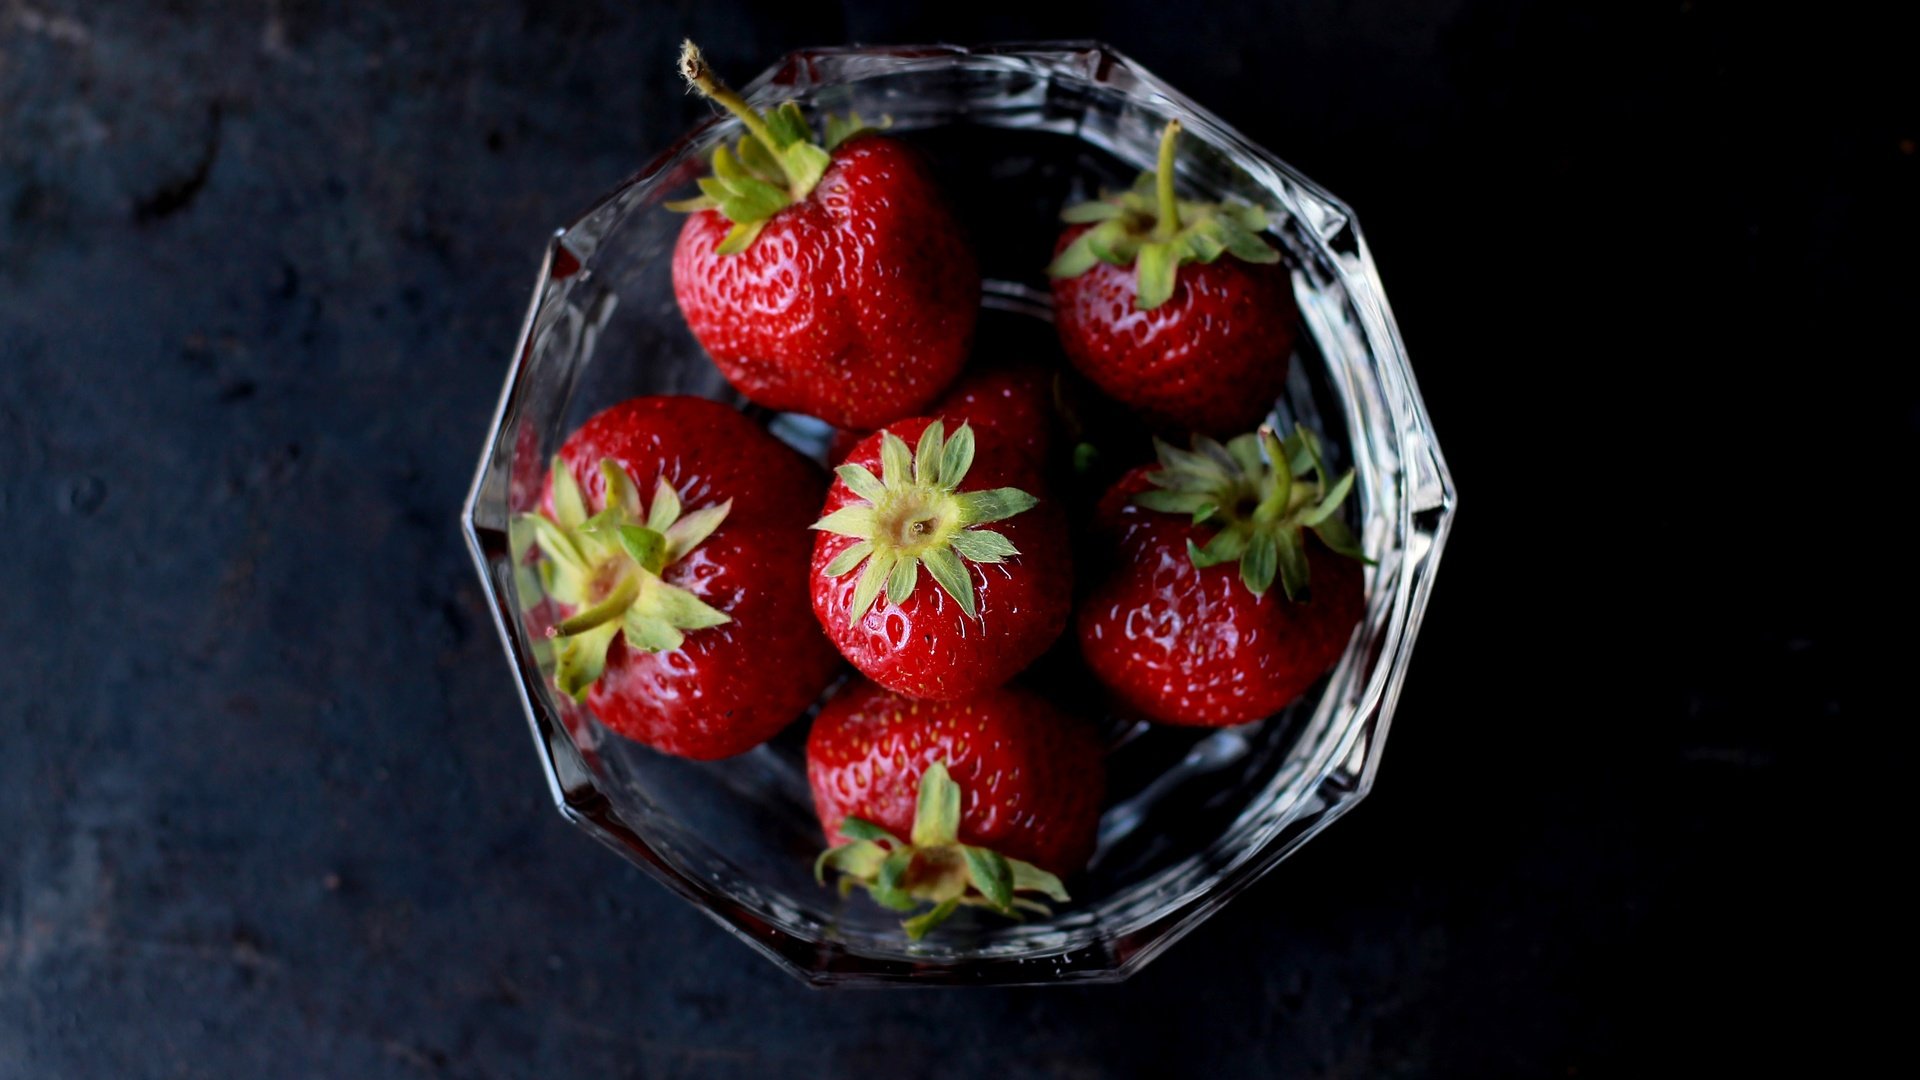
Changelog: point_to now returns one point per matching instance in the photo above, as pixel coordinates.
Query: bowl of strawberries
(959, 515)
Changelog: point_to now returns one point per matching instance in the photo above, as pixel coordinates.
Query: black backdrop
(267, 805)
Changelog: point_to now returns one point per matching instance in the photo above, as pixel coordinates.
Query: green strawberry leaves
(1261, 494)
(839, 128)
(1149, 229)
(606, 568)
(933, 866)
(765, 173)
(775, 165)
(913, 518)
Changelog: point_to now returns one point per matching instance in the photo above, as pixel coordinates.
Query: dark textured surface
(267, 804)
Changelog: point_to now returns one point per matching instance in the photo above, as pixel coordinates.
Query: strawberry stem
(606, 569)
(611, 607)
(1212, 484)
(1167, 223)
(1119, 233)
(933, 866)
(694, 69)
(913, 517)
(1279, 494)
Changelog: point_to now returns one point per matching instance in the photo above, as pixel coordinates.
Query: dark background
(267, 803)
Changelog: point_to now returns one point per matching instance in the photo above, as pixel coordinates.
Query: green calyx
(774, 166)
(1262, 494)
(933, 866)
(1154, 232)
(912, 518)
(607, 568)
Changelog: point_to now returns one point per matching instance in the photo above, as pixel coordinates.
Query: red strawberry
(1149, 310)
(675, 608)
(1007, 404)
(1180, 633)
(826, 280)
(998, 597)
(1010, 405)
(999, 792)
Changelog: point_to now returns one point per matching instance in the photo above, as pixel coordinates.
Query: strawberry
(829, 279)
(1010, 404)
(1186, 628)
(673, 608)
(998, 596)
(1177, 309)
(996, 795)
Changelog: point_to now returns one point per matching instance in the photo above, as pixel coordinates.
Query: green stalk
(1280, 487)
(693, 68)
(611, 607)
(1168, 223)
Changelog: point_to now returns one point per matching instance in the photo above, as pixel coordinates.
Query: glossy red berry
(1032, 776)
(672, 533)
(941, 567)
(1187, 626)
(1180, 310)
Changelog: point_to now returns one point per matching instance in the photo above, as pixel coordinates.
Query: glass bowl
(1194, 816)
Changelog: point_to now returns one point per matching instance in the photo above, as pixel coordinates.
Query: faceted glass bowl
(1193, 816)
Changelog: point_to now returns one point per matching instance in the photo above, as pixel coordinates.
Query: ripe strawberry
(1149, 311)
(674, 609)
(1010, 404)
(995, 795)
(831, 280)
(1174, 631)
(998, 596)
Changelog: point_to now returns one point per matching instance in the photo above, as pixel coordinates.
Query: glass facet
(1194, 816)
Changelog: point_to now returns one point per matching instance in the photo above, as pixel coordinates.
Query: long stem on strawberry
(1148, 228)
(775, 166)
(694, 69)
(1167, 222)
